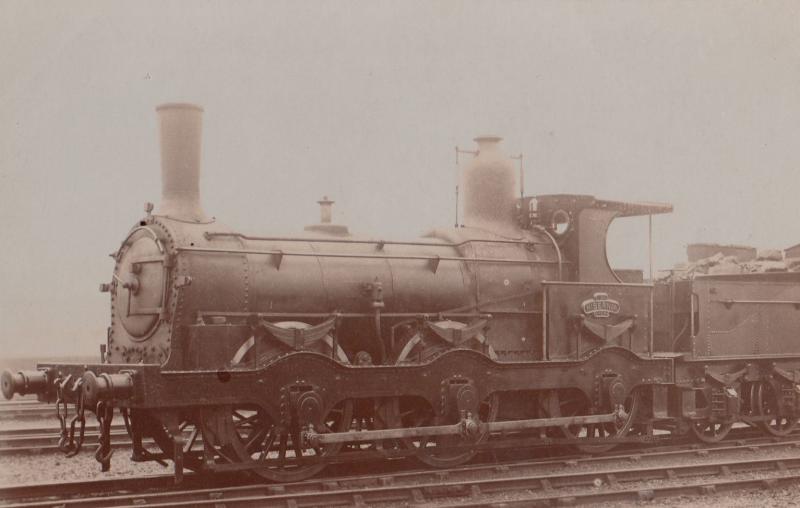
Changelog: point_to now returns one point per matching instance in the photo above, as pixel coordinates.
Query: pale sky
(692, 103)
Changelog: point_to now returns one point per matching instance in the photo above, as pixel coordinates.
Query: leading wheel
(253, 435)
(246, 433)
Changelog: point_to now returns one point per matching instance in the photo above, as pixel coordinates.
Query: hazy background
(693, 103)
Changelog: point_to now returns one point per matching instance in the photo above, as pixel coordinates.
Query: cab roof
(625, 208)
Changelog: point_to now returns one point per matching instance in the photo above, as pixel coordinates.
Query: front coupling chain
(64, 441)
(105, 413)
(78, 418)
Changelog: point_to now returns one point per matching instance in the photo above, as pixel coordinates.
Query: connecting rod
(467, 427)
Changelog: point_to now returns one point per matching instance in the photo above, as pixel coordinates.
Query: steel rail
(40, 443)
(594, 496)
(19, 401)
(40, 410)
(48, 429)
(334, 493)
(31, 494)
(431, 485)
(200, 491)
(32, 411)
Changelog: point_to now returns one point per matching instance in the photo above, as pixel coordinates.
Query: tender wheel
(709, 432)
(767, 402)
(706, 430)
(574, 402)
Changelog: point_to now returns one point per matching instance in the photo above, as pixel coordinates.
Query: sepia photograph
(454, 253)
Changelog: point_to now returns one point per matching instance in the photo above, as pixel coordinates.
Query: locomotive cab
(591, 307)
(579, 223)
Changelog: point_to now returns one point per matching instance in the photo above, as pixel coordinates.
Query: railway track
(522, 483)
(33, 440)
(43, 439)
(25, 410)
(19, 401)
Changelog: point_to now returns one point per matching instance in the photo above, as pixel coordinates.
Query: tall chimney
(181, 128)
(325, 210)
(490, 186)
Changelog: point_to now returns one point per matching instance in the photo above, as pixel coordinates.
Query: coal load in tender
(768, 260)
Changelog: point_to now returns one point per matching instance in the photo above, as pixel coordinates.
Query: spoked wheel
(433, 450)
(710, 432)
(766, 402)
(437, 451)
(420, 348)
(573, 402)
(254, 435)
(251, 354)
(246, 433)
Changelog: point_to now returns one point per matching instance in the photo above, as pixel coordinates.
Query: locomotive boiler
(281, 354)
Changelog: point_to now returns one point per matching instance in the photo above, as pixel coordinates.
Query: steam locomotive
(280, 355)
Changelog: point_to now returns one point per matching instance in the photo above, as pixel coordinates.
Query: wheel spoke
(282, 450)
(767, 405)
(266, 447)
(258, 435)
(298, 452)
(255, 439)
(574, 403)
(434, 450)
(191, 440)
(710, 432)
